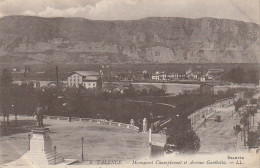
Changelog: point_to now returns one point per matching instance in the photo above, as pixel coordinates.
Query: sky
(244, 10)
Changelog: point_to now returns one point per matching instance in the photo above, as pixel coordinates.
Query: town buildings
(159, 76)
(87, 79)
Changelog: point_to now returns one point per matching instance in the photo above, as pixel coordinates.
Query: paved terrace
(100, 141)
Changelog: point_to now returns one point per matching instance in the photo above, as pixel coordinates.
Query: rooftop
(90, 78)
(85, 73)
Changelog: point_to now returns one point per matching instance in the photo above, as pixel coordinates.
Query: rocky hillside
(30, 40)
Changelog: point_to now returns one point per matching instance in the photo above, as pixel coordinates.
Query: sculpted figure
(39, 115)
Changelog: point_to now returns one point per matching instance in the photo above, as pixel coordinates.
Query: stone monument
(132, 122)
(144, 125)
(41, 152)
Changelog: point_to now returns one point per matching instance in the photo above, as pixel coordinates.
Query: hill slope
(30, 40)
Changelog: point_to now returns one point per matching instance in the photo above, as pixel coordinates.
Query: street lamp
(29, 138)
(55, 148)
(14, 114)
(82, 154)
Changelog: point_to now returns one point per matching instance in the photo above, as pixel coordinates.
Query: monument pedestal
(41, 152)
(41, 140)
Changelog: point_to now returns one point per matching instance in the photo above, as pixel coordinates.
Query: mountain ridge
(147, 40)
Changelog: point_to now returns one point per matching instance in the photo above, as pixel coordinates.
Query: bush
(253, 139)
(181, 137)
(218, 118)
(239, 103)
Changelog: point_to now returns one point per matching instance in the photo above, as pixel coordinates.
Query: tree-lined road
(220, 136)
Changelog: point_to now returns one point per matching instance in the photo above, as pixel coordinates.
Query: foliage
(253, 139)
(218, 118)
(181, 135)
(239, 103)
(130, 91)
(248, 93)
(6, 78)
(244, 120)
(236, 75)
(239, 75)
(253, 101)
(252, 111)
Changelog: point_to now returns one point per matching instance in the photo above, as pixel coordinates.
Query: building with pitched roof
(87, 79)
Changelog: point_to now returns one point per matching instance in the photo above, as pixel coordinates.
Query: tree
(248, 93)
(253, 139)
(252, 76)
(253, 101)
(144, 92)
(239, 103)
(245, 122)
(181, 135)
(6, 80)
(252, 111)
(236, 75)
(131, 90)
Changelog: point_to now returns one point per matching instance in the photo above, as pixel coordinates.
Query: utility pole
(82, 153)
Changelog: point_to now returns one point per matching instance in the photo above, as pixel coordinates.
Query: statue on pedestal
(144, 125)
(132, 122)
(39, 115)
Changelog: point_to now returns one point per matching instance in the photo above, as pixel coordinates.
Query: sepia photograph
(130, 83)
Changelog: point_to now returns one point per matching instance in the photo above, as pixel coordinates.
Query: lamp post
(14, 111)
(151, 121)
(29, 138)
(55, 148)
(82, 154)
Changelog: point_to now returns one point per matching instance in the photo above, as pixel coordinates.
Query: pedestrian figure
(39, 115)
(205, 120)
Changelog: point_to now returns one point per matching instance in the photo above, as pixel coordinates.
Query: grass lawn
(100, 142)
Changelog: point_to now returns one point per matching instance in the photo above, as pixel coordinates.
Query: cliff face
(29, 39)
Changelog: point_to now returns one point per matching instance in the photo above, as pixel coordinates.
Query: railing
(77, 119)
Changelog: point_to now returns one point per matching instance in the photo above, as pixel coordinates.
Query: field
(100, 142)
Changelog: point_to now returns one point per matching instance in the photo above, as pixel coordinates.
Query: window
(93, 84)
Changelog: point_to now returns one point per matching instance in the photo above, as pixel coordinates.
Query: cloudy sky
(245, 10)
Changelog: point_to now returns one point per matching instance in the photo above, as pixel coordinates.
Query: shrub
(181, 135)
(253, 139)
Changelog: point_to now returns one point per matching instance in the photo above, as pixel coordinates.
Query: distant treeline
(87, 103)
(240, 75)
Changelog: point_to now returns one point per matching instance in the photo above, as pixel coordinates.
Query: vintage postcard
(130, 83)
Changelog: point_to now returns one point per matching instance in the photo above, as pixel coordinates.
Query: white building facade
(87, 79)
